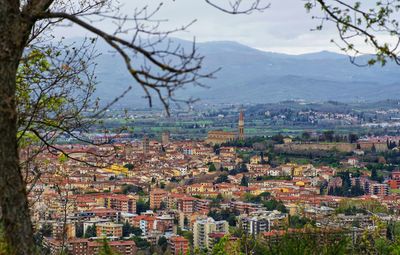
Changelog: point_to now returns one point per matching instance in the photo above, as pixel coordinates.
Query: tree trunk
(15, 215)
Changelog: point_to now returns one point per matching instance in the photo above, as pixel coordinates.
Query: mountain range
(250, 75)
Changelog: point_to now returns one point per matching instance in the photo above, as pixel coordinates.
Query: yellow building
(298, 171)
(293, 209)
(109, 229)
(256, 159)
(116, 169)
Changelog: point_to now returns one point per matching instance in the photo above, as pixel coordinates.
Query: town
(199, 127)
(168, 196)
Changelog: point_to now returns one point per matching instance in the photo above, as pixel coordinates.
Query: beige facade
(109, 229)
(203, 227)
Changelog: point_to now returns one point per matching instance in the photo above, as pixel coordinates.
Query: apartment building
(262, 221)
(179, 245)
(109, 229)
(157, 197)
(203, 227)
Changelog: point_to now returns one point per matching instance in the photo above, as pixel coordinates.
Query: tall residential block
(157, 197)
(202, 228)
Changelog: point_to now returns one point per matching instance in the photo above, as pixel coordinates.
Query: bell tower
(145, 144)
(241, 126)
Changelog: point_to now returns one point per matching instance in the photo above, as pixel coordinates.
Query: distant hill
(252, 76)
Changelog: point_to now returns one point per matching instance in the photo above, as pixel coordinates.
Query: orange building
(82, 246)
(179, 245)
(121, 247)
(380, 189)
(157, 197)
(186, 204)
(121, 203)
(394, 183)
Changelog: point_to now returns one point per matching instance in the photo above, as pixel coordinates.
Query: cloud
(285, 27)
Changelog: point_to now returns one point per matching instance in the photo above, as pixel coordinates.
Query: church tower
(145, 144)
(165, 138)
(241, 126)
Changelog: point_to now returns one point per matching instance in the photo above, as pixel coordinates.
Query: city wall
(341, 147)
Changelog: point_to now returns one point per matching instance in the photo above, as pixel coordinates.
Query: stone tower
(146, 144)
(241, 126)
(165, 138)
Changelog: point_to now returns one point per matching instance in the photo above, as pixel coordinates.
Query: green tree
(222, 178)
(126, 229)
(216, 202)
(273, 204)
(265, 195)
(296, 221)
(140, 242)
(224, 214)
(374, 174)
(162, 243)
(129, 188)
(220, 247)
(212, 168)
(306, 136)
(328, 135)
(46, 229)
(353, 138)
(129, 166)
(90, 231)
(244, 181)
(142, 206)
(356, 190)
(105, 249)
(79, 230)
(136, 231)
(278, 138)
(189, 236)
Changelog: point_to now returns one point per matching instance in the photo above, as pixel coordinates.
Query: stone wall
(341, 147)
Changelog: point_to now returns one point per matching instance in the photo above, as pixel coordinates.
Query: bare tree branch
(164, 76)
(236, 7)
(361, 21)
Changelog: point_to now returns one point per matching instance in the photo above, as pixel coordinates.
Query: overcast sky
(285, 27)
